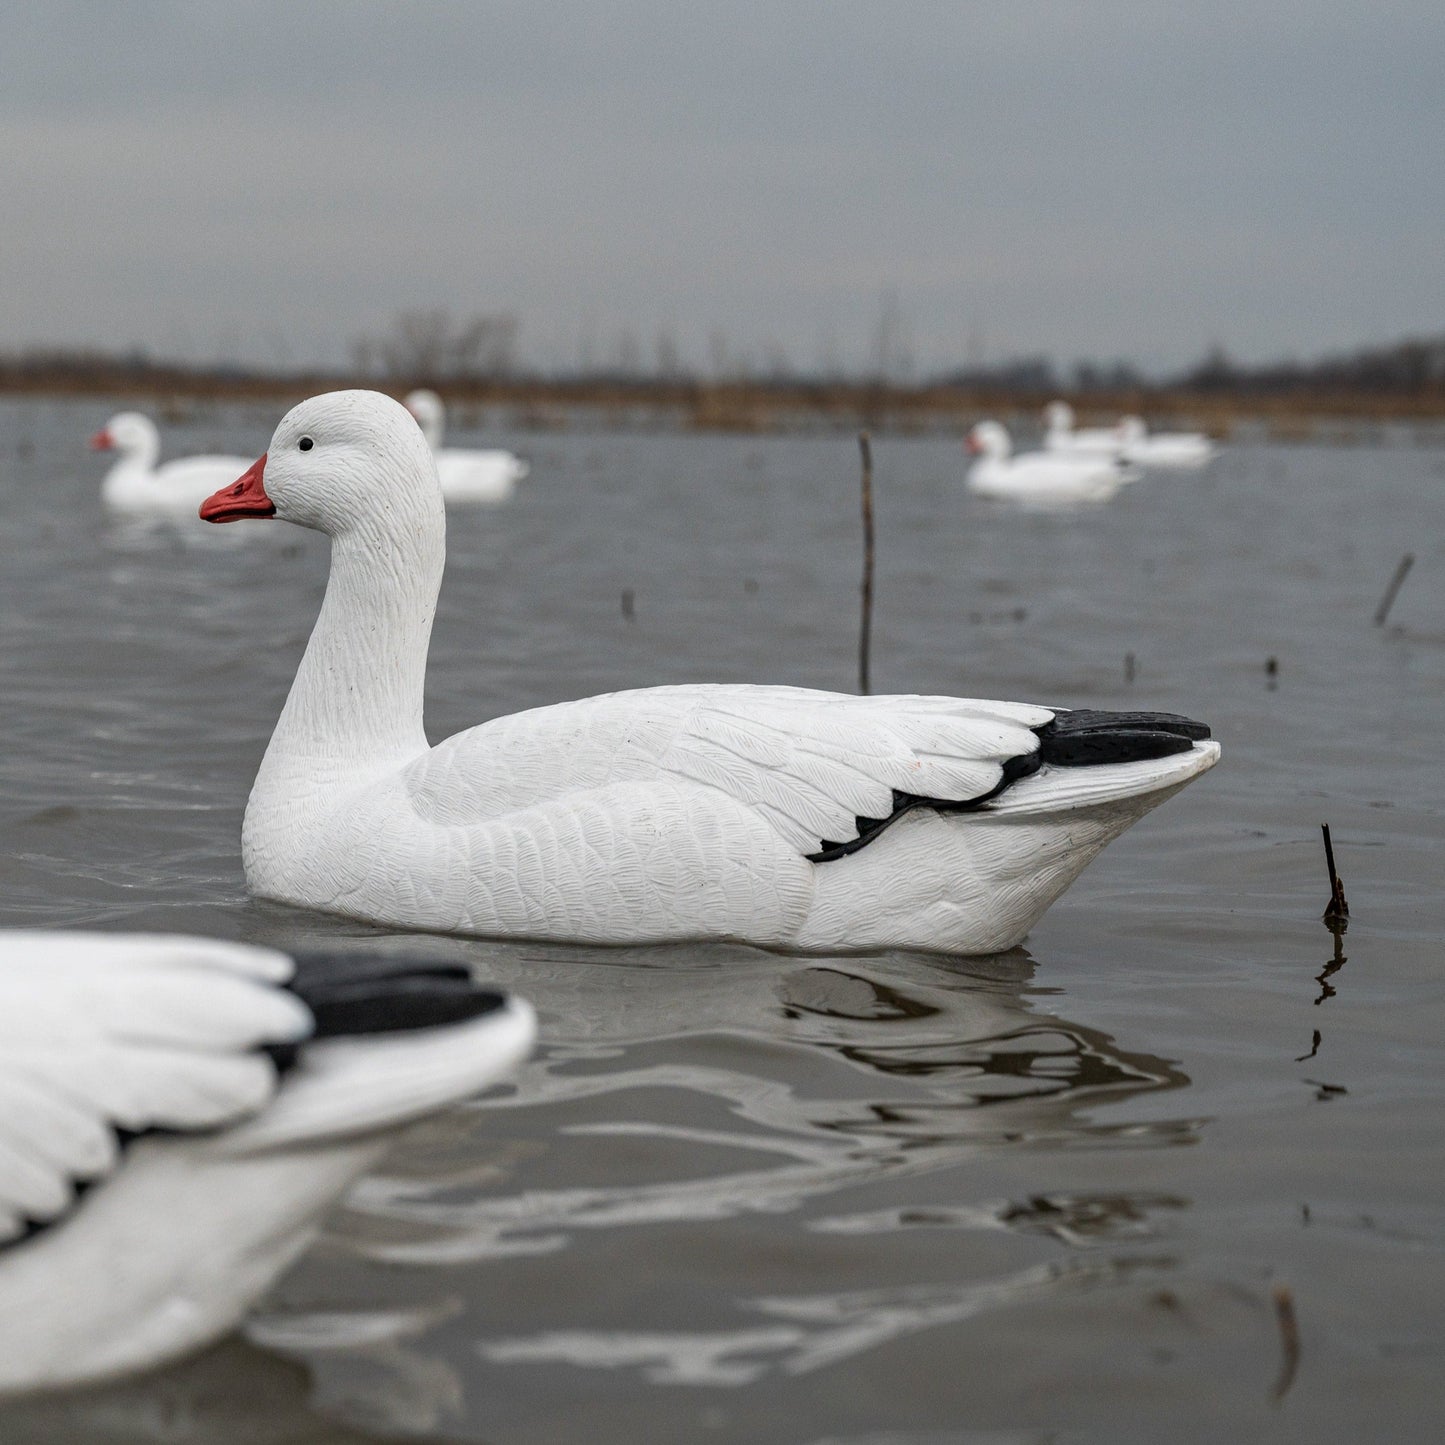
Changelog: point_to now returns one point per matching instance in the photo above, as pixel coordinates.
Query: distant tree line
(433, 347)
(1410, 366)
(430, 346)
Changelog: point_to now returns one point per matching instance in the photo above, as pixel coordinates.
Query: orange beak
(245, 497)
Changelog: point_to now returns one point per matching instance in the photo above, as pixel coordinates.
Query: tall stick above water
(1393, 590)
(865, 625)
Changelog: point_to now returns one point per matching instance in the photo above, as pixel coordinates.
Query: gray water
(1053, 1195)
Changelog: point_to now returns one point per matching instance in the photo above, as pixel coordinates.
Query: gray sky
(1103, 178)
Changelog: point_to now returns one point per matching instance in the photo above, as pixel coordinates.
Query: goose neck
(139, 453)
(357, 698)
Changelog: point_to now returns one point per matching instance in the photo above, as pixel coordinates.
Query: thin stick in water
(865, 627)
(1396, 582)
(1337, 911)
(1288, 1340)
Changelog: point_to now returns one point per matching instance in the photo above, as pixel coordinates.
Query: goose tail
(394, 1041)
(1088, 757)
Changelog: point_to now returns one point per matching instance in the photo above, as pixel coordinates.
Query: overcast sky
(267, 181)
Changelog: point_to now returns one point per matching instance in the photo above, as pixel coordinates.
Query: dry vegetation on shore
(765, 406)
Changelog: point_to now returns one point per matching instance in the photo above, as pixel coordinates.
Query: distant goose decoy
(136, 484)
(176, 1115)
(487, 475)
(1061, 435)
(1039, 478)
(778, 816)
(1174, 450)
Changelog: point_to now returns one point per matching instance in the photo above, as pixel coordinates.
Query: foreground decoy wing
(103, 1038)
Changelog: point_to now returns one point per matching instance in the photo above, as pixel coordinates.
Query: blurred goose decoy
(136, 484)
(1039, 478)
(488, 475)
(1170, 450)
(176, 1116)
(1061, 435)
(778, 816)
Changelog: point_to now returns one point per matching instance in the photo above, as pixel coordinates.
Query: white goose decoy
(1038, 478)
(136, 484)
(466, 476)
(779, 816)
(1060, 434)
(176, 1115)
(1170, 450)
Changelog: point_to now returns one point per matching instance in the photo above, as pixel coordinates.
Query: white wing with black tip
(809, 763)
(103, 1037)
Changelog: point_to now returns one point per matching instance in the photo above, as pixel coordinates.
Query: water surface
(1053, 1195)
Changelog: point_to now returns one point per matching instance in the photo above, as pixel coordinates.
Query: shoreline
(533, 404)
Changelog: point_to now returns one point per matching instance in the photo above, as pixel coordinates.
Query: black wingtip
(1089, 737)
(362, 994)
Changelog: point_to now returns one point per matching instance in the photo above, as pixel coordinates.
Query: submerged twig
(1396, 582)
(1327, 989)
(1288, 1340)
(1337, 911)
(865, 626)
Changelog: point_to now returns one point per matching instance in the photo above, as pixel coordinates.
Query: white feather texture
(662, 814)
(107, 1037)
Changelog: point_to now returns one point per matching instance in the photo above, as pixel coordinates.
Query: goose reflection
(798, 1335)
(682, 1098)
(711, 1089)
(287, 1376)
(747, 1083)
(235, 1393)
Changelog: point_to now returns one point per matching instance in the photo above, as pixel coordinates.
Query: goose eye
(305, 444)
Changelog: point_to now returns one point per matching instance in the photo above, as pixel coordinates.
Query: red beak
(971, 446)
(101, 441)
(245, 497)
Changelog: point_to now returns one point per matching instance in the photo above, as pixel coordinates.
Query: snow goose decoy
(466, 476)
(1039, 478)
(1061, 435)
(136, 484)
(176, 1115)
(782, 817)
(1170, 450)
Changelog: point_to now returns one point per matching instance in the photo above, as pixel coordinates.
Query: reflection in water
(697, 1087)
(1078, 1220)
(819, 1330)
(1327, 989)
(210, 1400)
(752, 1086)
(390, 1384)
(916, 1067)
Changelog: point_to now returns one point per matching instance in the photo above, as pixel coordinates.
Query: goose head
(1059, 416)
(1132, 430)
(426, 406)
(345, 462)
(131, 434)
(989, 439)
